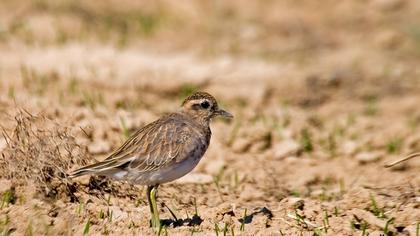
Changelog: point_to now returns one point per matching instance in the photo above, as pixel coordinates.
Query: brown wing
(150, 148)
(171, 140)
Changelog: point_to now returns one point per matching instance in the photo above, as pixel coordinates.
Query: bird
(163, 150)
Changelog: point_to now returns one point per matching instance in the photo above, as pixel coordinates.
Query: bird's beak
(223, 113)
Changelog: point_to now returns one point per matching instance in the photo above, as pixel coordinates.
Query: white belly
(167, 174)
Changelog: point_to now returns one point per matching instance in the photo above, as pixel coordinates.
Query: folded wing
(150, 148)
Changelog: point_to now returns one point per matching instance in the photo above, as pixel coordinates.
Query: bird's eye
(205, 104)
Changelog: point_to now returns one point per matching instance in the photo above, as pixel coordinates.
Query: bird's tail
(90, 169)
(104, 167)
(82, 171)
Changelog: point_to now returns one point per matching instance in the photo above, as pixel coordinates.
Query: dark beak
(223, 113)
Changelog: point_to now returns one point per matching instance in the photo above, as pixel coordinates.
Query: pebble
(367, 157)
(297, 203)
(3, 143)
(285, 148)
(349, 147)
(117, 213)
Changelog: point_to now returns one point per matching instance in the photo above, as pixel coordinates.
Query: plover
(163, 150)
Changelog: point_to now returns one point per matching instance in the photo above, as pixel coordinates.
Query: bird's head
(202, 106)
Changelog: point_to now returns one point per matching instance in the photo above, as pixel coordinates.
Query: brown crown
(200, 95)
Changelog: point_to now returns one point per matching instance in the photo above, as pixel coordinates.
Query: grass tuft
(126, 131)
(9, 197)
(216, 229)
(55, 150)
(386, 228)
(242, 228)
(86, 228)
(306, 141)
(375, 209)
(29, 230)
(394, 145)
(5, 230)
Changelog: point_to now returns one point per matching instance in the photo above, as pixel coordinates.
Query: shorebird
(163, 150)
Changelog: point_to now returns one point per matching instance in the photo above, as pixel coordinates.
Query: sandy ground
(324, 94)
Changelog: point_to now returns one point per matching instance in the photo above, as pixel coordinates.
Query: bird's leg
(149, 190)
(154, 210)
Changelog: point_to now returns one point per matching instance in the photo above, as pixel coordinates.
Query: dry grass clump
(39, 151)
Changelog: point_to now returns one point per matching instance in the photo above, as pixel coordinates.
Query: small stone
(349, 147)
(367, 157)
(291, 159)
(117, 213)
(297, 203)
(84, 180)
(285, 148)
(3, 143)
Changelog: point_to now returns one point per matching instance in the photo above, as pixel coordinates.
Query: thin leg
(149, 189)
(155, 212)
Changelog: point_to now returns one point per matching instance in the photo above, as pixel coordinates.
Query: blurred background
(323, 92)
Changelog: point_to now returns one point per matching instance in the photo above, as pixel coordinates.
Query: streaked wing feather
(168, 143)
(151, 147)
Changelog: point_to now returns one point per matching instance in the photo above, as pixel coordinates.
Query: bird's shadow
(195, 220)
(248, 218)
